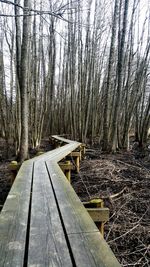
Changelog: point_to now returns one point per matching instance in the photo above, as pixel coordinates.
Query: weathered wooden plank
(13, 219)
(47, 244)
(66, 166)
(58, 153)
(99, 214)
(88, 246)
(75, 154)
(47, 239)
(90, 249)
(75, 216)
(63, 139)
(64, 151)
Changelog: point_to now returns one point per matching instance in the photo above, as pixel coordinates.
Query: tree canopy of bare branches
(77, 67)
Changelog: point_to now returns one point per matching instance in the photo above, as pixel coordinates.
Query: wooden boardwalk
(44, 224)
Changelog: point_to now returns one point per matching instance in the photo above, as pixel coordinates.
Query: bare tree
(23, 77)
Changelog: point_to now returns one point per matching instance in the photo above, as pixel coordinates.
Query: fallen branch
(111, 241)
(114, 195)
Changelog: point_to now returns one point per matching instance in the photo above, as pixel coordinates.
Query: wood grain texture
(13, 219)
(58, 153)
(67, 141)
(75, 216)
(61, 232)
(87, 244)
(99, 214)
(91, 250)
(47, 244)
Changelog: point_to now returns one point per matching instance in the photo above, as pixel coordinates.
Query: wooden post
(82, 147)
(76, 155)
(77, 163)
(80, 155)
(66, 168)
(98, 213)
(68, 171)
(99, 203)
(100, 216)
(14, 167)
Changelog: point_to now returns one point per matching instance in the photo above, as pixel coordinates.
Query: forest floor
(126, 174)
(122, 180)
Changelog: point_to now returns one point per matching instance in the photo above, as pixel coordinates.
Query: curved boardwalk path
(44, 224)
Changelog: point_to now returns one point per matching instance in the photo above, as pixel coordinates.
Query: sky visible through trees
(86, 71)
(81, 68)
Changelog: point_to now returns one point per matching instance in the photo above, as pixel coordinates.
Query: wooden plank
(51, 242)
(65, 166)
(75, 216)
(91, 250)
(13, 219)
(64, 151)
(75, 154)
(63, 139)
(58, 153)
(99, 214)
(86, 242)
(47, 243)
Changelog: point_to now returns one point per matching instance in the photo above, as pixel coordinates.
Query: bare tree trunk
(108, 84)
(114, 141)
(23, 84)
(145, 125)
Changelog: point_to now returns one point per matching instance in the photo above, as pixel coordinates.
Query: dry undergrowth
(124, 184)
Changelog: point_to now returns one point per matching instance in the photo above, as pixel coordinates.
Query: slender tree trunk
(108, 84)
(23, 82)
(114, 141)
